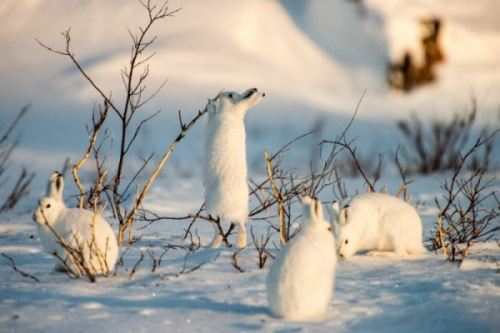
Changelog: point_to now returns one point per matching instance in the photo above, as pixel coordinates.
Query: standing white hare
(377, 222)
(226, 188)
(89, 240)
(301, 278)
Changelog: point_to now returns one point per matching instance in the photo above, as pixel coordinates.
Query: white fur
(226, 195)
(74, 226)
(301, 278)
(377, 222)
(55, 183)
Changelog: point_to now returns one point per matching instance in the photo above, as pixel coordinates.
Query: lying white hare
(301, 278)
(88, 238)
(226, 195)
(377, 222)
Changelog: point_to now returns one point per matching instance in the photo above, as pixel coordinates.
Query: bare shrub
(350, 166)
(464, 216)
(438, 146)
(122, 185)
(261, 247)
(192, 248)
(20, 187)
(283, 187)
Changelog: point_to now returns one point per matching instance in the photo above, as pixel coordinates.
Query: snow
(313, 59)
(423, 293)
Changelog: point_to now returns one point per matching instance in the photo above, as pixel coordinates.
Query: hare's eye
(346, 242)
(47, 206)
(230, 95)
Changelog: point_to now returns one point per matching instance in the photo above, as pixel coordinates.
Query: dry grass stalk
(441, 235)
(279, 199)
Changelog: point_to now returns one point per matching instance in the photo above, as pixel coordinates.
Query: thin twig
(14, 267)
(235, 261)
(136, 266)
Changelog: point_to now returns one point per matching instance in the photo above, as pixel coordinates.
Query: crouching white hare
(377, 222)
(301, 278)
(89, 241)
(226, 189)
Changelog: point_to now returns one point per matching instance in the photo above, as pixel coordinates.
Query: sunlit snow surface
(423, 293)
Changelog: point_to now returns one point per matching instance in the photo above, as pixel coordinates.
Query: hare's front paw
(210, 106)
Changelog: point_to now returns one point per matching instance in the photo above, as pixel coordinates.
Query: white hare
(377, 222)
(301, 278)
(226, 188)
(88, 238)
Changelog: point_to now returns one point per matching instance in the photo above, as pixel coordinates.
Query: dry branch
(136, 266)
(95, 132)
(235, 263)
(14, 267)
(21, 186)
(260, 247)
(279, 199)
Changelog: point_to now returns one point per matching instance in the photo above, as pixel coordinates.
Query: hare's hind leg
(242, 235)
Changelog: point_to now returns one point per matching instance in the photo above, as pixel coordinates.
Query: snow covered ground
(422, 294)
(314, 59)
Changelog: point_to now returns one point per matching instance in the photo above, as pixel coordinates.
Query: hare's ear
(335, 213)
(344, 213)
(318, 210)
(335, 218)
(55, 186)
(307, 208)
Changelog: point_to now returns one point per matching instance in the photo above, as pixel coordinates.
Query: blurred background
(316, 60)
